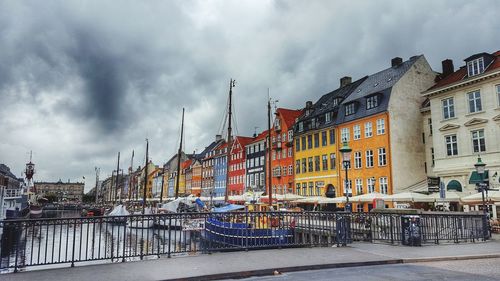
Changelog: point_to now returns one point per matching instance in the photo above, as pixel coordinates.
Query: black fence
(44, 242)
(122, 238)
(418, 229)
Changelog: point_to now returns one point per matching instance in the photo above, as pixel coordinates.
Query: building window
(368, 130)
(478, 141)
(429, 121)
(448, 108)
(310, 164)
(316, 140)
(297, 188)
(290, 152)
(380, 126)
(290, 170)
(474, 101)
(304, 188)
(332, 161)
(301, 126)
(324, 141)
(316, 164)
(451, 145)
(283, 154)
(475, 67)
(262, 179)
(332, 136)
(311, 186)
(344, 134)
(297, 144)
(274, 155)
(309, 141)
(359, 186)
(297, 166)
(357, 160)
(369, 158)
(328, 117)
(498, 94)
(324, 160)
(304, 167)
(382, 158)
(290, 135)
(347, 187)
(356, 131)
(303, 143)
(349, 109)
(383, 185)
(372, 102)
(432, 156)
(370, 183)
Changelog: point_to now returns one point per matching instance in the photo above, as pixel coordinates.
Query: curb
(272, 271)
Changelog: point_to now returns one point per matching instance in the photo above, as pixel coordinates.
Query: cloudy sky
(82, 80)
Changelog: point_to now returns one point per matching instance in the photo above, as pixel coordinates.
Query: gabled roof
(259, 137)
(186, 164)
(242, 140)
(5, 170)
(289, 115)
(381, 84)
(461, 73)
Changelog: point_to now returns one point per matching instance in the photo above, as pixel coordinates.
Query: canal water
(82, 241)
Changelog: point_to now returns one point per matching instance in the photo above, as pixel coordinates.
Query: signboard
(193, 224)
(433, 181)
(442, 190)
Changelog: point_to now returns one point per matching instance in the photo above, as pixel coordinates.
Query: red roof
(243, 140)
(259, 137)
(186, 164)
(461, 73)
(289, 115)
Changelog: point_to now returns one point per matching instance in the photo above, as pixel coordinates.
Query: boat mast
(270, 191)
(130, 177)
(145, 178)
(162, 182)
(117, 175)
(229, 138)
(97, 170)
(179, 158)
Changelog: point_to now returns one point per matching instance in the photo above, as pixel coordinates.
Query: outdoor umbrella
(369, 197)
(410, 197)
(477, 197)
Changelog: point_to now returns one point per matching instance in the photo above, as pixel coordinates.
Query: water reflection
(61, 241)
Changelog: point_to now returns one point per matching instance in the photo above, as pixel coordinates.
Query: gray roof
(380, 83)
(5, 170)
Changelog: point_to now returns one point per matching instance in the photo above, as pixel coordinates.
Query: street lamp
(482, 186)
(346, 157)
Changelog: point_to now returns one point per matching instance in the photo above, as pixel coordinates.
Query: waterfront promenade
(263, 262)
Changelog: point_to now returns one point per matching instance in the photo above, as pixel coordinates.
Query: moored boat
(118, 215)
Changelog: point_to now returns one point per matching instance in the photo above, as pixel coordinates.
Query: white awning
(369, 197)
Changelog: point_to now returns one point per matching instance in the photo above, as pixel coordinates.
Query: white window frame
(448, 106)
(349, 109)
(359, 186)
(475, 98)
(452, 143)
(475, 67)
(368, 130)
(328, 117)
(384, 185)
(358, 162)
(369, 158)
(371, 102)
(370, 185)
(380, 126)
(497, 87)
(356, 132)
(476, 137)
(382, 156)
(345, 134)
(290, 135)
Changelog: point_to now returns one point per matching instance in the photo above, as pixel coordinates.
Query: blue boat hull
(241, 235)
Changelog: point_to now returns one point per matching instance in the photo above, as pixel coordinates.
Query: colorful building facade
(237, 162)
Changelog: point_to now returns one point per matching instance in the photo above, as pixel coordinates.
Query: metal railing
(430, 228)
(41, 242)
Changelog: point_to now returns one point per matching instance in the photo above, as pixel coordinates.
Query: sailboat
(143, 221)
(34, 207)
(247, 230)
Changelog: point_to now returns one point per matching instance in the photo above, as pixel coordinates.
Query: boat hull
(141, 224)
(241, 235)
(35, 212)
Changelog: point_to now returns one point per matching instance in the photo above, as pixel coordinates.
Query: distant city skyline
(81, 81)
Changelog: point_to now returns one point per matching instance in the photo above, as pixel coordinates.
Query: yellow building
(316, 145)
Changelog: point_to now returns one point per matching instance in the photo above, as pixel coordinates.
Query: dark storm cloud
(80, 81)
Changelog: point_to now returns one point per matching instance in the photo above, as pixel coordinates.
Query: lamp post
(482, 186)
(346, 157)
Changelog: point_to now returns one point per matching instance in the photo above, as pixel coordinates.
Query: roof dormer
(477, 63)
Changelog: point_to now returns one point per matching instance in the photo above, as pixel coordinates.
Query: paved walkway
(262, 262)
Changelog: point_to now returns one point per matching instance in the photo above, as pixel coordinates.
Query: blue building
(220, 170)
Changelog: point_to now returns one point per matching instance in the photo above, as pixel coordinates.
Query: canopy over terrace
(320, 200)
(369, 197)
(493, 196)
(410, 197)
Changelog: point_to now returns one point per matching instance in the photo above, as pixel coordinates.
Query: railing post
(169, 234)
(124, 239)
(17, 247)
(391, 223)
(74, 241)
(246, 229)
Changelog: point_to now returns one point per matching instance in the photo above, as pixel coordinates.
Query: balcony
(12, 193)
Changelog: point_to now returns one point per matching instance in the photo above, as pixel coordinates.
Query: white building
(464, 123)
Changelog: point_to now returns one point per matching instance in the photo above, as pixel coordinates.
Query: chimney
(309, 104)
(218, 137)
(448, 67)
(396, 61)
(346, 80)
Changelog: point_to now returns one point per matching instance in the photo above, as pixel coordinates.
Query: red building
(282, 150)
(237, 162)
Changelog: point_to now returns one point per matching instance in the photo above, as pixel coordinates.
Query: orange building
(282, 150)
